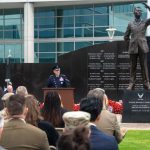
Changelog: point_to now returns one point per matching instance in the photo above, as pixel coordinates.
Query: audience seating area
(47, 113)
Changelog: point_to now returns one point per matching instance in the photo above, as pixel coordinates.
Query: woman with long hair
(34, 117)
(53, 110)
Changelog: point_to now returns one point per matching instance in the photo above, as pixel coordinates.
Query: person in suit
(58, 80)
(98, 139)
(135, 37)
(17, 134)
(108, 121)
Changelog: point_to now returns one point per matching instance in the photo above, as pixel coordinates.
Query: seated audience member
(52, 110)
(73, 119)
(1, 129)
(108, 121)
(22, 90)
(76, 140)
(4, 99)
(98, 139)
(34, 117)
(9, 88)
(17, 134)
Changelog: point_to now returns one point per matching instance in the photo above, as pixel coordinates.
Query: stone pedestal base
(136, 105)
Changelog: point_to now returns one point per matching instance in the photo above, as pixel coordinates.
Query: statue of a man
(138, 47)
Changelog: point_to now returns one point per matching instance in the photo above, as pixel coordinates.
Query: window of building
(11, 28)
(85, 21)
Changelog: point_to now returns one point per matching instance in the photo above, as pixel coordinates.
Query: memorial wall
(104, 65)
(107, 66)
(33, 76)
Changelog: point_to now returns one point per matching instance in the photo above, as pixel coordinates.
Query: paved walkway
(132, 126)
(136, 126)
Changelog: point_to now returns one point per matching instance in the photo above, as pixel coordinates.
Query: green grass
(136, 140)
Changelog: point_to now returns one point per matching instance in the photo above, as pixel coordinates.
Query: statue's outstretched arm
(146, 6)
(148, 20)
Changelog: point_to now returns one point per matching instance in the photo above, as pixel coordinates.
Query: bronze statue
(138, 47)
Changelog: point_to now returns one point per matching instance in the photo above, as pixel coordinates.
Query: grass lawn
(136, 140)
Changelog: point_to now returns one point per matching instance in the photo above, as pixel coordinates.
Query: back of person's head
(51, 108)
(6, 97)
(15, 105)
(73, 119)
(22, 90)
(99, 94)
(52, 100)
(4, 100)
(33, 115)
(76, 140)
(91, 105)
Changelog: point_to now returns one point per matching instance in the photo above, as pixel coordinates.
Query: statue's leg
(133, 65)
(144, 70)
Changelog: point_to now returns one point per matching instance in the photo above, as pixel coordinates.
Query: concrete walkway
(132, 126)
(136, 126)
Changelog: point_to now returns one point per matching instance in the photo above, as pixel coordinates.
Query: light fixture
(111, 32)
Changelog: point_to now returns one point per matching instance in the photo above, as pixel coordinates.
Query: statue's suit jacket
(108, 124)
(17, 135)
(137, 32)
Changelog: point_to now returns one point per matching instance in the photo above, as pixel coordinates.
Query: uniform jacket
(102, 141)
(17, 135)
(58, 82)
(108, 124)
(135, 35)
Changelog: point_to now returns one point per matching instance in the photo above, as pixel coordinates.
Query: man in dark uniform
(135, 35)
(58, 80)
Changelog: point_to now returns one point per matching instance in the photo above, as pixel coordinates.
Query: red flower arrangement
(116, 107)
(41, 105)
(76, 107)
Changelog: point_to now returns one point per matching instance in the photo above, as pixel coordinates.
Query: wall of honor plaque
(136, 106)
(104, 65)
(101, 67)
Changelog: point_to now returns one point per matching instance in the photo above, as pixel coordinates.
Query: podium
(67, 96)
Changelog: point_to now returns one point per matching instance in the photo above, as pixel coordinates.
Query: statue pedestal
(136, 106)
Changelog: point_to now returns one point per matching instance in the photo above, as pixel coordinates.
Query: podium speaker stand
(67, 96)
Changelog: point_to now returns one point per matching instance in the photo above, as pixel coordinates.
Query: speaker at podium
(67, 96)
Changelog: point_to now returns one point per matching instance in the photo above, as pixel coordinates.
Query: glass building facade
(59, 30)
